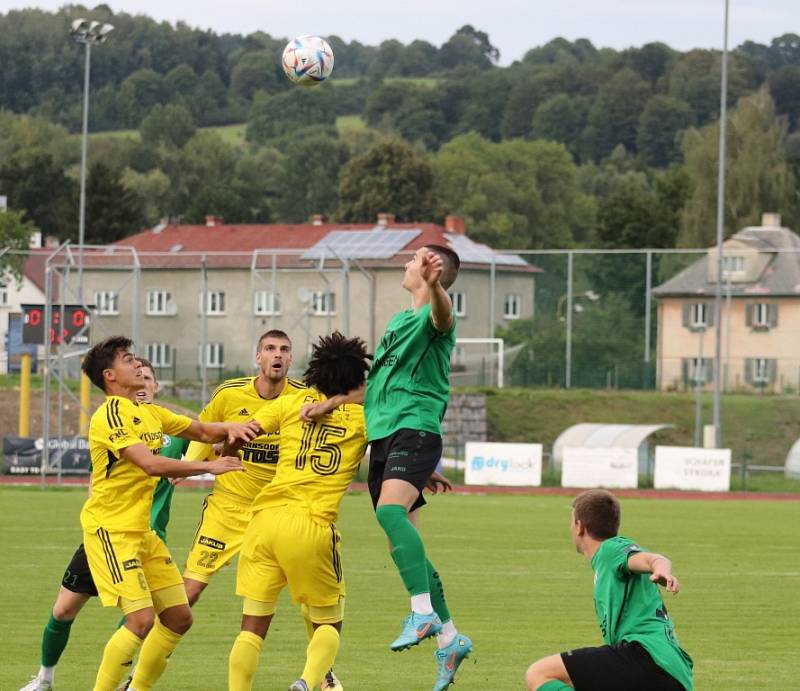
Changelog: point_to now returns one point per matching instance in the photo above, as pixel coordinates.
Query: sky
(513, 26)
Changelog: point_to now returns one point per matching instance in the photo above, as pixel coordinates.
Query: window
(3, 295)
(698, 371)
(215, 355)
(459, 303)
(106, 302)
(699, 315)
(762, 315)
(513, 306)
(760, 370)
(265, 302)
(215, 302)
(323, 303)
(159, 354)
(732, 264)
(159, 302)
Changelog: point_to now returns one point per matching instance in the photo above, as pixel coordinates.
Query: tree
(560, 50)
(391, 177)
(15, 234)
(561, 119)
(663, 118)
(172, 125)
(651, 61)
(514, 194)
(784, 87)
(468, 47)
(139, 93)
(254, 72)
(758, 178)
(283, 113)
(112, 211)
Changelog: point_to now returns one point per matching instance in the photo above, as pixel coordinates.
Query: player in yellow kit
(226, 511)
(292, 538)
(130, 565)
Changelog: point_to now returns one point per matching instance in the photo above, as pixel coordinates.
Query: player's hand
(662, 574)
(224, 465)
(311, 412)
(431, 266)
(175, 480)
(438, 483)
(238, 431)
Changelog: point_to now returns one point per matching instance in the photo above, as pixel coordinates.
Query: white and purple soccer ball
(307, 60)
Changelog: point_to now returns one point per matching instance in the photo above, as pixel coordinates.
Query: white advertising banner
(510, 465)
(584, 466)
(686, 467)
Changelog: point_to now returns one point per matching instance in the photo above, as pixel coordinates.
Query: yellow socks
(117, 659)
(321, 654)
(157, 648)
(243, 661)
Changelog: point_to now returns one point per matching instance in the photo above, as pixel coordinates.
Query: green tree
(758, 177)
(282, 114)
(254, 72)
(112, 211)
(514, 194)
(561, 119)
(663, 118)
(391, 177)
(139, 93)
(15, 234)
(784, 87)
(172, 125)
(468, 47)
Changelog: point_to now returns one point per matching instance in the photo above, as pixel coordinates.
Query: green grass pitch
(512, 578)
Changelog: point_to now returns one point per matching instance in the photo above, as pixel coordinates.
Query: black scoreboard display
(69, 326)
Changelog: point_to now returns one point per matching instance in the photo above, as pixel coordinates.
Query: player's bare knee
(193, 590)
(68, 605)
(177, 619)
(140, 622)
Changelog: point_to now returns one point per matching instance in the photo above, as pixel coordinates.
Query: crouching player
(641, 651)
(130, 565)
(292, 538)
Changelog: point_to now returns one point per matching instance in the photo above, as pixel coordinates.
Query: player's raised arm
(140, 455)
(313, 411)
(658, 566)
(431, 270)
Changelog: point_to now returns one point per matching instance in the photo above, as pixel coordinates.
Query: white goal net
(478, 362)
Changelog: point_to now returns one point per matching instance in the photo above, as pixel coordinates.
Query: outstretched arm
(140, 455)
(441, 307)
(313, 411)
(212, 432)
(659, 568)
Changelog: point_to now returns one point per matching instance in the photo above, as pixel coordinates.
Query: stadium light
(88, 33)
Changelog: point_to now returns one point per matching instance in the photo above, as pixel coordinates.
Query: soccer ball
(307, 60)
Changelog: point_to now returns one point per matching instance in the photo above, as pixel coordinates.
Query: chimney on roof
(385, 220)
(318, 219)
(770, 220)
(455, 225)
(212, 221)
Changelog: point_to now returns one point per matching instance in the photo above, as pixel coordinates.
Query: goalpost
(478, 362)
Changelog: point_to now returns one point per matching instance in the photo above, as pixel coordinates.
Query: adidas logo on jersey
(243, 411)
(137, 421)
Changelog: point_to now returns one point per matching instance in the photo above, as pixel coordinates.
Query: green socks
(54, 640)
(437, 593)
(408, 550)
(554, 685)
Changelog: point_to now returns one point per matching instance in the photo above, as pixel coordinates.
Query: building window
(106, 302)
(698, 371)
(513, 307)
(215, 302)
(265, 303)
(159, 354)
(3, 295)
(698, 315)
(214, 355)
(459, 303)
(760, 370)
(323, 303)
(732, 264)
(159, 303)
(762, 315)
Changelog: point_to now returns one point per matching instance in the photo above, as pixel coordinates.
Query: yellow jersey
(122, 492)
(236, 400)
(317, 460)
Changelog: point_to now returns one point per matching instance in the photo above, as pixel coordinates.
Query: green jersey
(171, 447)
(629, 608)
(408, 384)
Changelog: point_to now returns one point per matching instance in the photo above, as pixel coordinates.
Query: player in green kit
(77, 585)
(406, 397)
(641, 650)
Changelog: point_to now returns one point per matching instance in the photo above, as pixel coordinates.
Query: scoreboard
(72, 328)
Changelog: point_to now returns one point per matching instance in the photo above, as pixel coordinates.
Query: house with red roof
(175, 287)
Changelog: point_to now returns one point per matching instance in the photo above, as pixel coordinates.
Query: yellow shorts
(283, 546)
(129, 566)
(219, 535)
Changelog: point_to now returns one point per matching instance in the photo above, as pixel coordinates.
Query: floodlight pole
(84, 146)
(723, 115)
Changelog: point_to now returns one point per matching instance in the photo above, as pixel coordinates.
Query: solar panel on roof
(362, 244)
(475, 253)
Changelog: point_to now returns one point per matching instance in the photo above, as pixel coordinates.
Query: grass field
(513, 582)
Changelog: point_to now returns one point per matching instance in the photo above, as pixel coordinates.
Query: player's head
(274, 354)
(337, 364)
(149, 383)
(113, 363)
(450, 265)
(595, 514)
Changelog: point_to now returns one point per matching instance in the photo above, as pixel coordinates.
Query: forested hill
(573, 145)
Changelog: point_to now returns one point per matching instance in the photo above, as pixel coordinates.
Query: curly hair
(337, 364)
